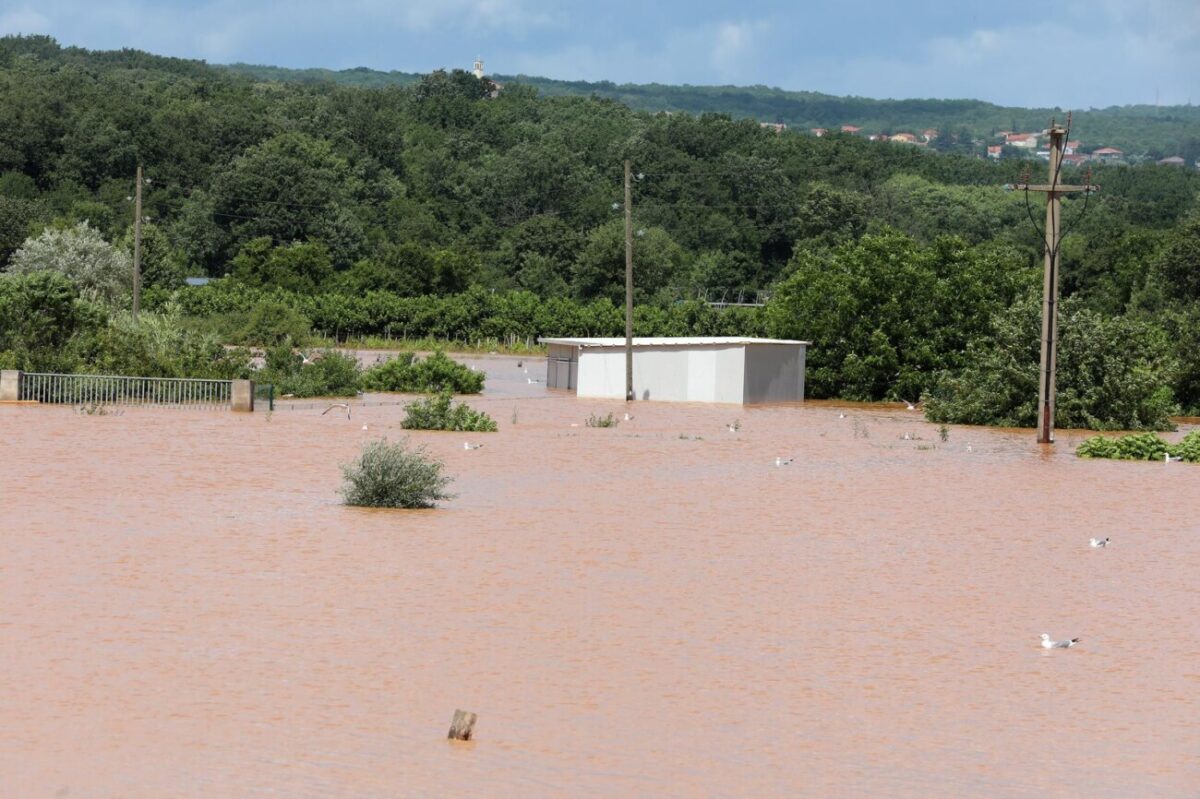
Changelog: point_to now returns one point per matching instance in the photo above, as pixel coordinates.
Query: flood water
(647, 611)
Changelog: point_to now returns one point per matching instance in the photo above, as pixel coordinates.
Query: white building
(710, 369)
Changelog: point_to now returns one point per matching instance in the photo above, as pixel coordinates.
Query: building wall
(774, 373)
(562, 363)
(678, 374)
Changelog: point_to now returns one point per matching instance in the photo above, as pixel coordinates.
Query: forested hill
(1139, 130)
(441, 208)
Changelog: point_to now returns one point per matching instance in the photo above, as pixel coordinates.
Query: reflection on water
(650, 610)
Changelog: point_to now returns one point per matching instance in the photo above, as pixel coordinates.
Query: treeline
(1140, 130)
(438, 210)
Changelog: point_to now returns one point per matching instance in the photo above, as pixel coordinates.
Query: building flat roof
(680, 341)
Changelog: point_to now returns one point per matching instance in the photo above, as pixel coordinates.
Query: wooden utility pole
(137, 245)
(628, 285)
(1053, 238)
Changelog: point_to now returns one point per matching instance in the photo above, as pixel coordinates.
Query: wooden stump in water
(461, 727)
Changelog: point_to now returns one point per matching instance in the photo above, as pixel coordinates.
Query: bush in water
(390, 475)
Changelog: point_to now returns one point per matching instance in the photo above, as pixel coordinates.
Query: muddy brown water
(188, 611)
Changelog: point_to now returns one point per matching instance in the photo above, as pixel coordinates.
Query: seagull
(912, 406)
(364, 427)
(468, 445)
(783, 461)
(969, 448)
(533, 380)
(907, 437)
(841, 416)
(628, 418)
(1167, 457)
(1048, 644)
(1097, 543)
(337, 405)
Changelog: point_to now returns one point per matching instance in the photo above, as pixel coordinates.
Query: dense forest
(440, 208)
(1141, 131)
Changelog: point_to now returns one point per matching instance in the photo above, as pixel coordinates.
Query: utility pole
(1053, 238)
(628, 285)
(137, 245)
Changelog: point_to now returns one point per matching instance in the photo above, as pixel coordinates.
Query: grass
(601, 421)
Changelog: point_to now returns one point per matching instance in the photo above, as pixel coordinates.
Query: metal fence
(119, 390)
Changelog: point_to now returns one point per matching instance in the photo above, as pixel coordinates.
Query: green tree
(100, 270)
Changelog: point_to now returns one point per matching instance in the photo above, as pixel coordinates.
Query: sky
(1073, 54)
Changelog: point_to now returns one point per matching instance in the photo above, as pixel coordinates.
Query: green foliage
(272, 322)
(436, 373)
(1141, 447)
(1113, 373)
(439, 413)
(390, 475)
(101, 272)
(324, 373)
(601, 421)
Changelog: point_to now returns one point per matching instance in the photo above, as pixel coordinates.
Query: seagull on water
(337, 405)
(783, 461)
(1047, 643)
(1167, 457)
(912, 406)
(628, 418)
(469, 446)
(1097, 543)
(841, 416)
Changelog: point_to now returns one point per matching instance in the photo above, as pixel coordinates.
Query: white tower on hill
(478, 70)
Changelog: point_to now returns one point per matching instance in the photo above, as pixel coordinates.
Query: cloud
(23, 20)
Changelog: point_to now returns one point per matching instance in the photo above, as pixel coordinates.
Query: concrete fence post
(10, 385)
(241, 395)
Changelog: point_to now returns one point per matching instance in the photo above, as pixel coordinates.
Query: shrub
(438, 413)
(1141, 447)
(434, 374)
(390, 475)
(100, 270)
(327, 373)
(601, 421)
(272, 322)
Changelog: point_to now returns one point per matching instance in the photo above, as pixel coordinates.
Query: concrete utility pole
(628, 285)
(137, 245)
(1053, 238)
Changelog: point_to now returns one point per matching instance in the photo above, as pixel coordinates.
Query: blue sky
(1107, 52)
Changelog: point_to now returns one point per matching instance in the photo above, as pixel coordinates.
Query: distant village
(1008, 144)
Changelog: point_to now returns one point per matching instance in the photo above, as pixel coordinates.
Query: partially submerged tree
(388, 475)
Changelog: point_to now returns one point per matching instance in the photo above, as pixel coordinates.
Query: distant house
(1107, 154)
(818, 131)
(779, 127)
(994, 151)
(1027, 140)
(850, 129)
(929, 134)
(906, 138)
(1070, 147)
(1075, 159)
(1173, 160)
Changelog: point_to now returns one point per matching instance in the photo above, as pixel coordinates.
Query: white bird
(533, 380)
(841, 416)
(468, 445)
(628, 418)
(1097, 543)
(337, 405)
(364, 427)
(912, 406)
(1167, 457)
(783, 461)
(1047, 643)
(731, 428)
(907, 437)
(969, 448)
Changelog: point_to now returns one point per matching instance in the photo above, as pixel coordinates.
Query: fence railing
(121, 390)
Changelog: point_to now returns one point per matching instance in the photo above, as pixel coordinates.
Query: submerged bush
(439, 413)
(325, 373)
(1141, 447)
(390, 475)
(437, 373)
(601, 421)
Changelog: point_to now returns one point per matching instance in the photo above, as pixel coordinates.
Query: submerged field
(648, 610)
